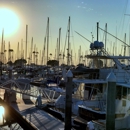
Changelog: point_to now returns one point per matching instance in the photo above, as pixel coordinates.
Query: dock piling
(68, 100)
(110, 113)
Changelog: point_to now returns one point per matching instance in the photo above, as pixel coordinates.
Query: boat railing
(24, 88)
(49, 94)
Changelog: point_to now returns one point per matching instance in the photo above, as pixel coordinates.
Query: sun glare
(8, 21)
(2, 111)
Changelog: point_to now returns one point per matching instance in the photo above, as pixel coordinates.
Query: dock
(28, 116)
(37, 117)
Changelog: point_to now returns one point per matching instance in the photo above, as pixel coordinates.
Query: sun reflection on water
(2, 111)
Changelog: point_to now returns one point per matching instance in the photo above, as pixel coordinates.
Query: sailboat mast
(18, 51)
(68, 61)
(57, 50)
(44, 50)
(125, 45)
(31, 49)
(2, 46)
(97, 29)
(59, 46)
(9, 56)
(71, 58)
(105, 42)
(47, 38)
(105, 35)
(4, 53)
(129, 40)
(34, 54)
(26, 42)
(22, 52)
(80, 54)
(55, 54)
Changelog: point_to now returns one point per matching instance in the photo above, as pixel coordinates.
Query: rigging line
(61, 42)
(103, 36)
(73, 37)
(114, 37)
(65, 44)
(123, 18)
(127, 25)
(94, 31)
(50, 36)
(66, 41)
(83, 37)
(99, 32)
(83, 42)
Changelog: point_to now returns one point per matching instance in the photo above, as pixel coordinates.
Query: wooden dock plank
(39, 118)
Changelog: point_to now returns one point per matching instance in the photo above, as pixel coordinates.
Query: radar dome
(98, 45)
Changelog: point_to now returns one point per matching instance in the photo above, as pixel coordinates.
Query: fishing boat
(96, 90)
(89, 95)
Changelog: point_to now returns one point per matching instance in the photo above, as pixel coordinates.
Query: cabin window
(121, 92)
(118, 92)
(124, 94)
(124, 103)
(128, 93)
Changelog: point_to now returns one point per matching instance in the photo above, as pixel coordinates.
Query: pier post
(68, 100)
(110, 111)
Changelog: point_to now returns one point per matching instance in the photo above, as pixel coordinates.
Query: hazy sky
(84, 16)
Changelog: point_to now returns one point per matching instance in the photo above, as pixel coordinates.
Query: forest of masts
(40, 57)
